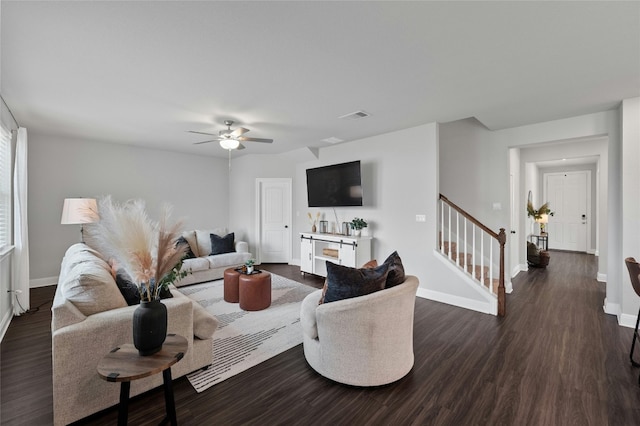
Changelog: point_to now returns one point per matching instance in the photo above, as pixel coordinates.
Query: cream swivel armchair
(361, 341)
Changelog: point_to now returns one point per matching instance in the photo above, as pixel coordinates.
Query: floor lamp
(78, 211)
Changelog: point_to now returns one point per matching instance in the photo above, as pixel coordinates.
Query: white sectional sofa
(90, 317)
(205, 266)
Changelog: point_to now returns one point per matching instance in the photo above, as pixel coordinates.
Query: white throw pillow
(203, 238)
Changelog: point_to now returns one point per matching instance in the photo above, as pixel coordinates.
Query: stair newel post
(502, 239)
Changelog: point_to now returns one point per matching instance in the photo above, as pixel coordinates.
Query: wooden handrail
(469, 217)
(501, 237)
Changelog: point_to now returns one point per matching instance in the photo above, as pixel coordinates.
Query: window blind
(5, 188)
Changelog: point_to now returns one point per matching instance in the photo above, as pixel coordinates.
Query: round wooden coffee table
(255, 291)
(123, 364)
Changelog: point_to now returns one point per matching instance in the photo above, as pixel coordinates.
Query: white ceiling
(144, 73)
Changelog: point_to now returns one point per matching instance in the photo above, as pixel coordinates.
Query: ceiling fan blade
(212, 140)
(241, 146)
(238, 132)
(255, 140)
(201, 133)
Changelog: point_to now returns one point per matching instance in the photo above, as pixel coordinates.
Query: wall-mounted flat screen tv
(337, 185)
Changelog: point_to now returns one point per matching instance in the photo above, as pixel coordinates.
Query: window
(5, 188)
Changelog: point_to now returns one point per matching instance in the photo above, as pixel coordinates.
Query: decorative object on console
(78, 211)
(324, 226)
(358, 224)
(314, 221)
(148, 252)
(540, 215)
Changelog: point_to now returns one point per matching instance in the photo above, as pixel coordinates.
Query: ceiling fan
(230, 139)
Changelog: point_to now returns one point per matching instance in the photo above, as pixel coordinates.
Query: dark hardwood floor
(555, 359)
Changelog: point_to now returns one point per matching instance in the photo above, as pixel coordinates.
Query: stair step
(475, 271)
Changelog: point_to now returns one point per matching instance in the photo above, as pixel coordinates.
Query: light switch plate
(421, 218)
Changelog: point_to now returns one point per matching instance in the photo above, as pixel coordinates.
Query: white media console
(316, 249)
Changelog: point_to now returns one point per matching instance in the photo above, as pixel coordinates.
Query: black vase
(149, 327)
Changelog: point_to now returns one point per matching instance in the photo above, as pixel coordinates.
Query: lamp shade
(229, 143)
(79, 210)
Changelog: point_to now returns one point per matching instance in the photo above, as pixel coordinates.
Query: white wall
(244, 172)
(630, 204)
(59, 168)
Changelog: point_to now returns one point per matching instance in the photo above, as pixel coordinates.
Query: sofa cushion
(204, 324)
(203, 239)
(190, 237)
(91, 288)
(221, 245)
(227, 260)
(85, 256)
(196, 264)
(396, 270)
(344, 282)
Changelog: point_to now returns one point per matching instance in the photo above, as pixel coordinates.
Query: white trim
(295, 262)
(43, 282)
(461, 302)
(626, 320)
(596, 252)
(258, 215)
(522, 267)
(591, 251)
(4, 325)
(508, 287)
(6, 252)
(611, 308)
(601, 278)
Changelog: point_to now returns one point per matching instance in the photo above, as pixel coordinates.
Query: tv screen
(337, 185)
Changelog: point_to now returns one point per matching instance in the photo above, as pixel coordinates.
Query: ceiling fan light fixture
(229, 143)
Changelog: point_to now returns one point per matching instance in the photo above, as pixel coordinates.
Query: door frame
(258, 215)
(588, 242)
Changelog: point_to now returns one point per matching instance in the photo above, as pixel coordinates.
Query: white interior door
(274, 227)
(569, 197)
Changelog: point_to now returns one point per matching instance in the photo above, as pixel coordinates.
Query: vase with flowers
(150, 253)
(313, 221)
(540, 215)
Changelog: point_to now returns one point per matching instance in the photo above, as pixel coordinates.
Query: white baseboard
(611, 308)
(592, 251)
(461, 302)
(602, 278)
(626, 320)
(43, 282)
(295, 262)
(508, 287)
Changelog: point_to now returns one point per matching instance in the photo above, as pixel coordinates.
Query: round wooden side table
(123, 364)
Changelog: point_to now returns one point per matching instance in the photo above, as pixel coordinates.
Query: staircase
(473, 248)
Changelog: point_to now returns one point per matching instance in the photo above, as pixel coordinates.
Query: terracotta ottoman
(255, 291)
(231, 291)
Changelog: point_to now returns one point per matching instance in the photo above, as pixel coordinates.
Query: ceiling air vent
(332, 139)
(355, 115)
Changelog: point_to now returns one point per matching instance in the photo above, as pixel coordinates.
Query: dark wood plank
(555, 359)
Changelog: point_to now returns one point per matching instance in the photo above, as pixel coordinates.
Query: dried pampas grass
(146, 250)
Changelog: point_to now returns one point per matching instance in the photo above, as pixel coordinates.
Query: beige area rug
(245, 339)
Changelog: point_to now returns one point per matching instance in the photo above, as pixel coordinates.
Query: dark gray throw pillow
(344, 282)
(130, 290)
(220, 245)
(396, 270)
(182, 241)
